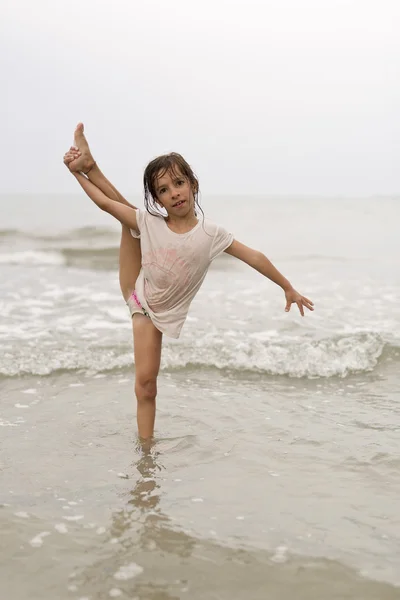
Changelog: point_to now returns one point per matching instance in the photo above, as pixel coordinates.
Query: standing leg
(147, 348)
(147, 338)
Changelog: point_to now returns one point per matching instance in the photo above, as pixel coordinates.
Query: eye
(180, 182)
(162, 190)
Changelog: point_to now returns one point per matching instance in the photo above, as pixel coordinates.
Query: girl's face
(174, 193)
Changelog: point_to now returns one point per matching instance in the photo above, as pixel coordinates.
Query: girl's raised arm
(125, 214)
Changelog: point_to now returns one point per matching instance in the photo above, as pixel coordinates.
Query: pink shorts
(135, 306)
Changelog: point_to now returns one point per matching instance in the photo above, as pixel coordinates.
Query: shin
(147, 347)
(146, 391)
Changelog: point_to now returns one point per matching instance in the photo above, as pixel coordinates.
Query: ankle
(89, 167)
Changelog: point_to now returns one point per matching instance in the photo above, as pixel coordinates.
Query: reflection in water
(143, 516)
(140, 533)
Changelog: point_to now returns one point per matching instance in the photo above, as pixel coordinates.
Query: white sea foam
(37, 541)
(128, 571)
(294, 357)
(280, 554)
(32, 257)
(291, 356)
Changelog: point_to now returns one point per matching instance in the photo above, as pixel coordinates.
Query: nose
(175, 192)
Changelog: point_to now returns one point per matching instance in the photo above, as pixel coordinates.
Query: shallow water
(275, 472)
(266, 492)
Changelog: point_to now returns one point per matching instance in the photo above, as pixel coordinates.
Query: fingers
(69, 158)
(71, 155)
(307, 303)
(301, 302)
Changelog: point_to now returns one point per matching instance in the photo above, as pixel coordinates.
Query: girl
(164, 256)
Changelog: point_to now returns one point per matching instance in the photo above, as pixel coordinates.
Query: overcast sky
(281, 96)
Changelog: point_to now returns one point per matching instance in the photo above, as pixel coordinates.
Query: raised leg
(79, 158)
(130, 260)
(147, 348)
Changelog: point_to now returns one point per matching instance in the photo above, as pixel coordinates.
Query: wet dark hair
(167, 163)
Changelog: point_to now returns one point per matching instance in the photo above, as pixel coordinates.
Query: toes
(79, 136)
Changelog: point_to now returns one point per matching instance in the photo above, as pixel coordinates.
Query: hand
(73, 160)
(294, 297)
(79, 157)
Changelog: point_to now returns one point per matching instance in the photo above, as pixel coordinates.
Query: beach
(275, 471)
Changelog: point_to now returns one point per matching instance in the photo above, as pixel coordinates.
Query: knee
(126, 290)
(146, 388)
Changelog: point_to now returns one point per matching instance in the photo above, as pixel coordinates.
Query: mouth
(180, 203)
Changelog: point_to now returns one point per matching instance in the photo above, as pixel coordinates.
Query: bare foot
(82, 145)
(79, 157)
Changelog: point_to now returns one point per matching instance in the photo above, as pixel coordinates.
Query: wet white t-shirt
(174, 266)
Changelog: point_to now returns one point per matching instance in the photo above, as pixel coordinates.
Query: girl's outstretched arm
(125, 214)
(260, 263)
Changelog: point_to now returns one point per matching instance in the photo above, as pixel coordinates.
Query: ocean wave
(6, 233)
(80, 258)
(81, 233)
(32, 258)
(332, 357)
(97, 258)
(337, 356)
